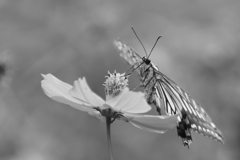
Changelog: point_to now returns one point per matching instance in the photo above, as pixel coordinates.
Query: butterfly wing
(175, 99)
(199, 119)
(128, 53)
(135, 60)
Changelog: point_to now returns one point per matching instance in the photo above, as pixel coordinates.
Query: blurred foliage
(73, 38)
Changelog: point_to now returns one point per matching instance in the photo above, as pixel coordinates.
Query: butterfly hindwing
(198, 117)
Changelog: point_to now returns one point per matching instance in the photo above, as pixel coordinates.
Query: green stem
(108, 123)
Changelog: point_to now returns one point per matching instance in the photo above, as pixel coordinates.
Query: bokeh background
(73, 38)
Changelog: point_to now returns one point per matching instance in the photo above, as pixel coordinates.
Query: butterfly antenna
(153, 46)
(139, 40)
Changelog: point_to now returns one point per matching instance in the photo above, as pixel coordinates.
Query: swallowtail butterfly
(161, 89)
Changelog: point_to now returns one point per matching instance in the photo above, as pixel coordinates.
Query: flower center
(115, 83)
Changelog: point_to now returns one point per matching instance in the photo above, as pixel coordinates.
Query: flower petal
(112, 101)
(58, 91)
(132, 102)
(151, 123)
(81, 90)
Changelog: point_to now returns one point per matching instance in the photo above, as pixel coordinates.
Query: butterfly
(159, 89)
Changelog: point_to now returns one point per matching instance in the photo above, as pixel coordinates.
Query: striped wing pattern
(158, 87)
(199, 119)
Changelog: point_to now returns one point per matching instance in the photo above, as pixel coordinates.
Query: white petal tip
(43, 75)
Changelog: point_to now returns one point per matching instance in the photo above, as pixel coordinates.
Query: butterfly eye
(146, 61)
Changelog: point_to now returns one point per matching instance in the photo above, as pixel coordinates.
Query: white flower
(120, 103)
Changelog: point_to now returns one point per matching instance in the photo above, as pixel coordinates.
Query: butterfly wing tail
(208, 130)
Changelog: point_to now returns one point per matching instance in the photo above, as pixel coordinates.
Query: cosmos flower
(120, 103)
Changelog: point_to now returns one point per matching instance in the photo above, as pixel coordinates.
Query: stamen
(115, 83)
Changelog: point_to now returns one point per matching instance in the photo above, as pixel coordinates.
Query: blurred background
(199, 50)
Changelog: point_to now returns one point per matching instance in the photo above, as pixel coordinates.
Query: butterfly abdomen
(184, 129)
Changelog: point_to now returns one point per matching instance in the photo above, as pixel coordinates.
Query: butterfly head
(146, 60)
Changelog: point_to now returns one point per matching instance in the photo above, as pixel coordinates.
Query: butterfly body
(159, 88)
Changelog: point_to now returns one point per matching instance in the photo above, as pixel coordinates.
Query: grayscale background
(199, 50)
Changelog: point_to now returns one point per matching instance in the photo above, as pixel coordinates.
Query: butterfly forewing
(128, 53)
(159, 87)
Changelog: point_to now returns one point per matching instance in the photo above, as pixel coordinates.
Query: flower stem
(108, 123)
